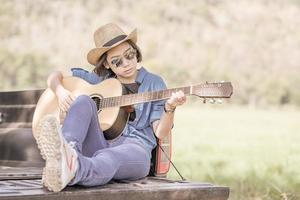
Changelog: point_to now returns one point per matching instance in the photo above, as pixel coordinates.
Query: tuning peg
(219, 83)
(212, 101)
(219, 101)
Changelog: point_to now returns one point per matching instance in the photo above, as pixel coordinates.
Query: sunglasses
(129, 55)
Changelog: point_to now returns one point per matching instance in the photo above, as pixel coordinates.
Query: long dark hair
(100, 69)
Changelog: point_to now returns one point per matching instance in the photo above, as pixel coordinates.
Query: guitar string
(135, 98)
(129, 99)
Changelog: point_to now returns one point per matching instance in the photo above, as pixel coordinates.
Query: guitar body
(112, 120)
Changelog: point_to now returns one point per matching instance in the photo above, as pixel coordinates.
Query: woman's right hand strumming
(65, 97)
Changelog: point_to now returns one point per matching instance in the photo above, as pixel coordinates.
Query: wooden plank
(16, 113)
(18, 145)
(146, 189)
(20, 97)
(14, 125)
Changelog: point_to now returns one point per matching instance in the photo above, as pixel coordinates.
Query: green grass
(255, 152)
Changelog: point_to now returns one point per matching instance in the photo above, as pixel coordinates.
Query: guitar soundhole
(97, 100)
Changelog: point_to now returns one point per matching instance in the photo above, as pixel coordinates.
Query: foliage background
(255, 44)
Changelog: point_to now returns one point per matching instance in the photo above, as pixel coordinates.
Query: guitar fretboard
(131, 99)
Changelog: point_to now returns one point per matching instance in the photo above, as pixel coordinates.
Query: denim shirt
(146, 113)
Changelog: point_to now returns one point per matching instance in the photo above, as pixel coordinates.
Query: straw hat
(107, 37)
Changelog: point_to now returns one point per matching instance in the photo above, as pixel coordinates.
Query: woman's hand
(177, 99)
(62, 116)
(163, 126)
(65, 98)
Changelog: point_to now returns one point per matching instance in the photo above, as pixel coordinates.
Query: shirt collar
(141, 75)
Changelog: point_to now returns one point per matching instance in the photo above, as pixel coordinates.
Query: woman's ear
(106, 65)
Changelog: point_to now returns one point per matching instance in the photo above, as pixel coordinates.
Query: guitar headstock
(215, 90)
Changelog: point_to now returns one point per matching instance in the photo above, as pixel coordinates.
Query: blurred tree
(255, 44)
(21, 71)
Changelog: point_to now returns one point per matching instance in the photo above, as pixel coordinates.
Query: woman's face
(122, 61)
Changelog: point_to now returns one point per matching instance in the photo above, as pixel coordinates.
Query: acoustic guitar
(112, 100)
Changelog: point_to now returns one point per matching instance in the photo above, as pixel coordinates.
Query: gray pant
(99, 160)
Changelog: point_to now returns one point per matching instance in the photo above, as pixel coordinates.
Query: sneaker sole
(49, 143)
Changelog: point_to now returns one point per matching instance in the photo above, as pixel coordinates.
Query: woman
(77, 152)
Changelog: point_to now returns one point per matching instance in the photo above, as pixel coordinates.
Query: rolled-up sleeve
(157, 107)
(90, 77)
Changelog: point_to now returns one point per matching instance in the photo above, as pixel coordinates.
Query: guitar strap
(132, 88)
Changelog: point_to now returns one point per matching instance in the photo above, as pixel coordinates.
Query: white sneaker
(61, 157)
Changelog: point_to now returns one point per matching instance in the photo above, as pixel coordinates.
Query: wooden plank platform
(21, 165)
(25, 183)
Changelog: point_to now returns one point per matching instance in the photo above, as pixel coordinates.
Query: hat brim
(94, 55)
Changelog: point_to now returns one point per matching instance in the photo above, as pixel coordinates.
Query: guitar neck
(131, 99)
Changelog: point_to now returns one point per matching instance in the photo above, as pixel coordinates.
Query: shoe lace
(72, 144)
